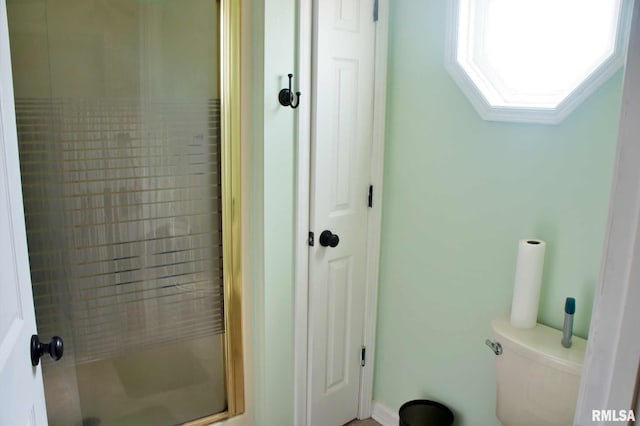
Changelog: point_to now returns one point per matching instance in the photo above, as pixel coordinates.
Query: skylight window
(534, 60)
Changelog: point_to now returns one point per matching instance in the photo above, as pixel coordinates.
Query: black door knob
(329, 239)
(54, 348)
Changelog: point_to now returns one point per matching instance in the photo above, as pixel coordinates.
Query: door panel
(338, 291)
(344, 118)
(341, 141)
(21, 392)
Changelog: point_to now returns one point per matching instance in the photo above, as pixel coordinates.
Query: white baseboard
(384, 415)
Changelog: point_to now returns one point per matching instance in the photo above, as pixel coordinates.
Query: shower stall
(119, 116)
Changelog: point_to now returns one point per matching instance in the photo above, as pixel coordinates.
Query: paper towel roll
(527, 283)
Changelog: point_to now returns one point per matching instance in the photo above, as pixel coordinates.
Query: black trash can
(422, 412)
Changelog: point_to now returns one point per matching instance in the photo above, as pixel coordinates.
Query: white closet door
(341, 145)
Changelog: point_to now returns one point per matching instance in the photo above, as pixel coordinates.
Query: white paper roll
(527, 283)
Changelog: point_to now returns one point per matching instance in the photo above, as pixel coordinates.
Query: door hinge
(375, 10)
(311, 239)
(363, 357)
(370, 196)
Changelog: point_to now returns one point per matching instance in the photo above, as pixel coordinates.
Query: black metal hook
(286, 97)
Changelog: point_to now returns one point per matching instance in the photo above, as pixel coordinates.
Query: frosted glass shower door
(118, 116)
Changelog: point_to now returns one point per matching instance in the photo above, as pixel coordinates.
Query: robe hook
(286, 97)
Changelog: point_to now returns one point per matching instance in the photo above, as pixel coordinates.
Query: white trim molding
(301, 247)
(384, 415)
(493, 86)
(375, 213)
(613, 351)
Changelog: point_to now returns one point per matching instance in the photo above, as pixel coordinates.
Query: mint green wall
(272, 199)
(459, 193)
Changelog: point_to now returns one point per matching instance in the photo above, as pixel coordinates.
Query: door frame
(304, 48)
(21, 387)
(613, 349)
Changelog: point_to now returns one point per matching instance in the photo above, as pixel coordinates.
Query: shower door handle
(55, 349)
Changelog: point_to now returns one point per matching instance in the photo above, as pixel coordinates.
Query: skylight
(534, 60)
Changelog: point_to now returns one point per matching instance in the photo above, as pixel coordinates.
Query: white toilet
(537, 378)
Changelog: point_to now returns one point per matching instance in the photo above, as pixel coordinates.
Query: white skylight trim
(534, 60)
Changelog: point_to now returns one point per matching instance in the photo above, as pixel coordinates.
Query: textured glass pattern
(122, 200)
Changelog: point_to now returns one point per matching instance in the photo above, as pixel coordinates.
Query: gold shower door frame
(230, 191)
(231, 210)
(230, 75)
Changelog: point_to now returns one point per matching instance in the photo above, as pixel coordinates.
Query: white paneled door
(21, 390)
(340, 167)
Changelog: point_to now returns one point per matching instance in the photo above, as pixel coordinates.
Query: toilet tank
(537, 378)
